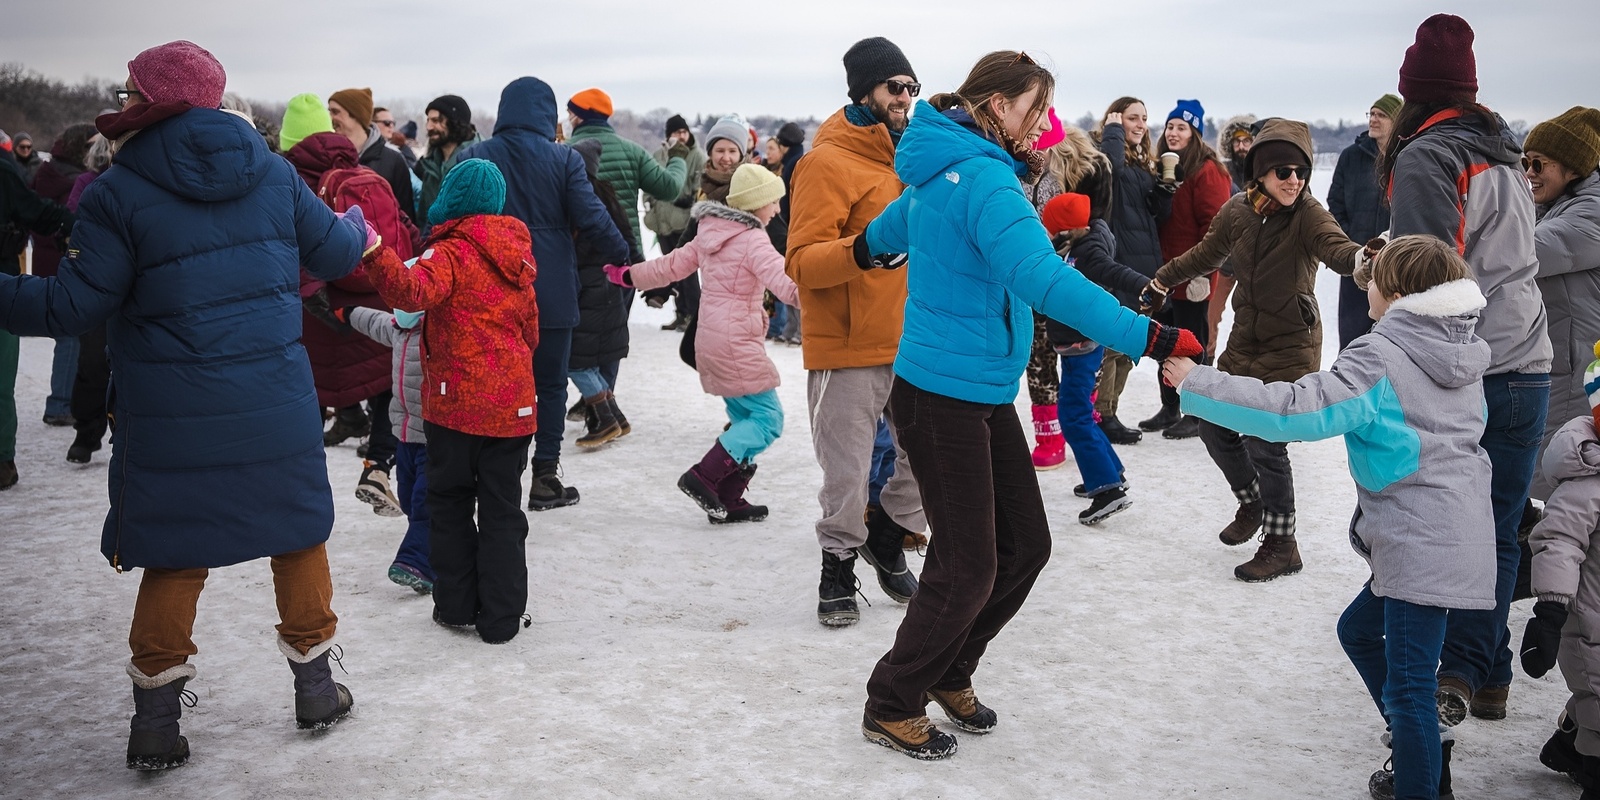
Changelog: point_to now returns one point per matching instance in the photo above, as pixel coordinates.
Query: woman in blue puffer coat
(980, 263)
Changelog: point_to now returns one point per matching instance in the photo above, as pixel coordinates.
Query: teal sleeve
(887, 233)
(1349, 396)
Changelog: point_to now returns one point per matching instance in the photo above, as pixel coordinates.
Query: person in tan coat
(852, 306)
(1274, 233)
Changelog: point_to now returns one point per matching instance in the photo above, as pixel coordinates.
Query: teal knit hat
(474, 186)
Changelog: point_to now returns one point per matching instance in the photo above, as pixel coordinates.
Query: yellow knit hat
(754, 186)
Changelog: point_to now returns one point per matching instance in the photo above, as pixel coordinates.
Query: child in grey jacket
(402, 332)
(1566, 579)
(1408, 398)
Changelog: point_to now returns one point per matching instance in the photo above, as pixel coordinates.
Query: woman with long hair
(1140, 204)
(1204, 185)
(982, 261)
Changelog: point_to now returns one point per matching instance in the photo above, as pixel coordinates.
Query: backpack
(359, 186)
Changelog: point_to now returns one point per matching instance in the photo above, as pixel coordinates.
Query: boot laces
(919, 728)
(188, 699)
(527, 620)
(336, 655)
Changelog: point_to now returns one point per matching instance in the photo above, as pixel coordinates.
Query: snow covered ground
(670, 658)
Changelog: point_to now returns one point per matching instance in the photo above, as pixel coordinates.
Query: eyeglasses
(1283, 173)
(123, 95)
(896, 87)
(1535, 165)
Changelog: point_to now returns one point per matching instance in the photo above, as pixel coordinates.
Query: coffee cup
(1169, 166)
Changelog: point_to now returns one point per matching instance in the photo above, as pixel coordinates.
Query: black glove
(1152, 299)
(683, 202)
(1542, 638)
(1167, 188)
(317, 306)
(866, 260)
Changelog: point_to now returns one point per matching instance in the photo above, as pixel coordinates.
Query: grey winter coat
(1568, 242)
(1408, 398)
(405, 411)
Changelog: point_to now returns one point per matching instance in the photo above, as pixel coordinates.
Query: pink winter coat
(736, 262)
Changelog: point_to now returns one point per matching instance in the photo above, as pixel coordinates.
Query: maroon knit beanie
(1440, 67)
(180, 71)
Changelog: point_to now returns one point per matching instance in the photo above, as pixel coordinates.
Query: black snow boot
(153, 739)
(622, 421)
(1381, 785)
(1104, 504)
(836, 595)
(885, 551)
(1186, 428)
(547, 491)
(1119, 433)
(318, 701)
(1167, 417)
(579, 411)
(349, 422)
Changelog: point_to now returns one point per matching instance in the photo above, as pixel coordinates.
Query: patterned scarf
(1261, 202)
(862, 117)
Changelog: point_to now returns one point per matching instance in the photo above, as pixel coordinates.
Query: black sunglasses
(387, 123)
(896, 87)
(1534, 165)
(122, 95)
(1283, 173)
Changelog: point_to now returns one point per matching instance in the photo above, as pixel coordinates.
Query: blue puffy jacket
(189, 249)
(979, 260)
(547, 189)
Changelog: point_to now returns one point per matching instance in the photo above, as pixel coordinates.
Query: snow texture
(672, 658)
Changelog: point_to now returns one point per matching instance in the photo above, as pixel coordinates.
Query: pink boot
(1052, 449)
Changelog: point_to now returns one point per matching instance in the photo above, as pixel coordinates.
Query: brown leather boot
(1246, 522)
(1453, 698)
(1490, 702)
(1278, 556)
(916, 737)
(964, 710)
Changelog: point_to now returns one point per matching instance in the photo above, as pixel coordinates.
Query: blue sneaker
(410, 577)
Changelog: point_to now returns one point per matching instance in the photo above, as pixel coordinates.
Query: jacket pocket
(1355, 538)
(1308, 309)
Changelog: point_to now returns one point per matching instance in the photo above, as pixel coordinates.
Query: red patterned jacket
(475, 280)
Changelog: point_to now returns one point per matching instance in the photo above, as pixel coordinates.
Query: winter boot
(964, 710)
(1453, 697)
(836, 595)
(153, 739)
(1489, 702)
(410, 577)
(1277, 556)
(1105, 504)
(1083, 491)
(700, 482)
(1186, 428)
(318, 701)
(373, 489)
(731, 493)
(679, 323)
(1119, 433)
(8, 475)
(604, 425)
(885, 551)
(348, 423)
(1247, 519)
(579, 411)
(83, 446)
(1167, 417)
(547, 492)
(1051, 451)
(622, 421)
(1381, 785)
(917, 737)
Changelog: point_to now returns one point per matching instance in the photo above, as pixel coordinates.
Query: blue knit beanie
(474, 186)
(1190, 111)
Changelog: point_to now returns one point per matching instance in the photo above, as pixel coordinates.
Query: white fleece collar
(1445, 300)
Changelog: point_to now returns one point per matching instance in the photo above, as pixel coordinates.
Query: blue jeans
(1477, 644)
(883, 456)
(1098, 463)
(63, 371)
(590, 382)
(757, 422)
(550, 383)
(1394, 645)
(411, 489)
(780, 315)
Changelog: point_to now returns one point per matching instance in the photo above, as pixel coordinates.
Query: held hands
(1170, 342)
(1153, 298)
(1374, 244)
(1542, 638)
(619, 276)
(1175, 370)
(865, 259)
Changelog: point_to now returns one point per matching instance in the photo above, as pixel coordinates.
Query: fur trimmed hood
(1437, 332)
(1451, 299)
(1241, 122)
(711, 208)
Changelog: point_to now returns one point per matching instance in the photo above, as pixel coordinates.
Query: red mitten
(1166, 342)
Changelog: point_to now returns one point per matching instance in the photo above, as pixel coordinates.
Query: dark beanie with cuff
(453, 109)
(676, 123)
(1572, 139)
(870, 62)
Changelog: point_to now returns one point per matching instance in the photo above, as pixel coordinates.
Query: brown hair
(1417, 263)
(1010, 74)
(1195, 154)
(1140, 154)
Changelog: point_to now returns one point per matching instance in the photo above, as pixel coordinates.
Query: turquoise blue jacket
(980, 263)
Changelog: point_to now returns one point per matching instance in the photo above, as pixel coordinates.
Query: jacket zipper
(405, 413)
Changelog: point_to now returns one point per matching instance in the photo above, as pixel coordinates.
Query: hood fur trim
(1451, 299)
(711, 208)
(166, 676)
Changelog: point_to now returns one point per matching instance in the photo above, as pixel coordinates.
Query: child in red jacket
(475, 280)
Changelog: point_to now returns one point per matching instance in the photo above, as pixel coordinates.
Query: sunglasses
(387, 123)
(896, 87)
(1535, 165)
(122, 95)
(1283, 173)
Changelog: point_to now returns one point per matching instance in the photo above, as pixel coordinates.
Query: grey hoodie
(1408, 398)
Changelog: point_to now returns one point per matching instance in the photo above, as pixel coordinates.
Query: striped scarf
(1261, 202)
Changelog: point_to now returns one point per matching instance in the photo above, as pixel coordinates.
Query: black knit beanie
(676, 122)
(454, 109)
(870, 62)
(791, 135)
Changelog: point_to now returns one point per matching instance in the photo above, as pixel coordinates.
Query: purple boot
(701, 481)
(731, 492)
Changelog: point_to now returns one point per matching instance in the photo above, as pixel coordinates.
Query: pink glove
(354, 216)
(373, 239)
(618, 275)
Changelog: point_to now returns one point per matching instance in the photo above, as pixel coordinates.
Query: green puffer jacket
(629, 169)
(431, 169)
(671, 217)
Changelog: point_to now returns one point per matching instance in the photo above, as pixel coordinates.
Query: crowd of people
(231, 295)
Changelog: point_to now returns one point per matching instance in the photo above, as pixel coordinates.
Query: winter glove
(342, 313)
(1168, 342)
(1169, 189)
(1152, 298)
(317, 306)
(618, 275)
(1542, 638)
(866, 260)
(679, 150)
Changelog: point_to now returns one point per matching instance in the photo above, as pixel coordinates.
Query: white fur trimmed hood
(1437, 330)
(1451, 299)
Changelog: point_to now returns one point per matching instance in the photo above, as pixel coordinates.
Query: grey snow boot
(153, 739)
(318, 701)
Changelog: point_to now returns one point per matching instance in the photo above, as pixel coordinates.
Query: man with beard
(852, 307)
(450, 130)
(351, 110)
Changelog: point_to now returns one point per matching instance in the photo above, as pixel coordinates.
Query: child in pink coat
(737, 263)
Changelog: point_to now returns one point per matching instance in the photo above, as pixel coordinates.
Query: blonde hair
(1073, 159)
(1417, 263)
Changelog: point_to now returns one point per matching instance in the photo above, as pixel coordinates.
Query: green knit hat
(1572, 139)
(1389, 104)
(305, 115)
(474, 186)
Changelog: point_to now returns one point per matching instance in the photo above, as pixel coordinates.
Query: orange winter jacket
(851, 317)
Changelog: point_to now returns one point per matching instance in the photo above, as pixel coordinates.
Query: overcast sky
(1311, 59)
